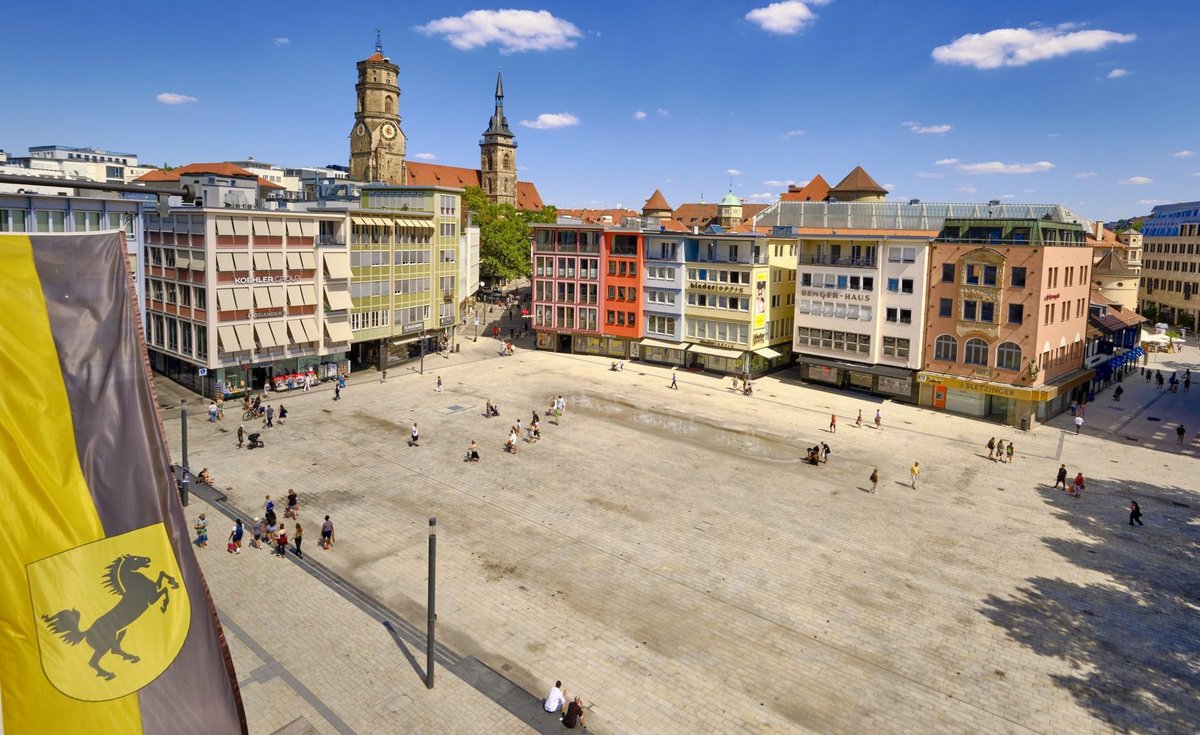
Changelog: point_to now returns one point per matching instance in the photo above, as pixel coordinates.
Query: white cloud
(1085, 175)
(1118, 73)
(929, 175)
(765, 196)
(1053, 135)
(1021, 46)
(551, 120)
(998, 167)
(1007, 196)
(171, 98)
(792, 134)
(1184, 154)
(968, 189)
(1027, 191)
(945, 162)
(281, 41)
(425, 156)
(917, 127)
(639, 115)
(511, 30)
(662, 112)
(734, 172)
(1137, 181)
(784, 18)
(889, 186)
(777, 184)
(1152, 202)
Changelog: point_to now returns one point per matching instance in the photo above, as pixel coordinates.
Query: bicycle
(249, 414)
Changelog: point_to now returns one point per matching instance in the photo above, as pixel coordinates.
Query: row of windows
(588, 267)
(366, 289)
(983, 275)
(828, 339)
(662, 325)
(713, 301)
(1176, 248)
(1064, 310)
(660, 297)
(567, 237)
(837, 280)
(975, 352)
(1171, 265)
(622, 267)
(898, 316)
(621, 318)
(905, 254)
(1187, 288)
(718, 330)
(980, 311)
(660, 273)
(55, 220)
(565, 317)
(181, 294)
(780, 327)
(379, 236)
(839, 309)
(178, 335)
(369, 319)
(896, 347)
(718, 276)
(621, 293)
(900, 285)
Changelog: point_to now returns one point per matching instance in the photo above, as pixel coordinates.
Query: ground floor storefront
(236, 380)
(881, 380)
(1013, 405)
(388, 352)
(689, 355)
(1115, 368)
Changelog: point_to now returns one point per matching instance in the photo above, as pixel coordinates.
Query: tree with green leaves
(504, 235)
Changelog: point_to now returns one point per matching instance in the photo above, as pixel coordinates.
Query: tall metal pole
(430, 638)
(184, 471)
(422, 352)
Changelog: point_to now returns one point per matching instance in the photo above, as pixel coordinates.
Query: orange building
(621, 261)
(1006, 320)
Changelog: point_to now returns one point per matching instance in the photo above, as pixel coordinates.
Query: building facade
(566, 285)
(1007, 319)
(236, 299)
(1113, 341)
(1171, 258)
(621, 306)
(377, 142)
(663, 298)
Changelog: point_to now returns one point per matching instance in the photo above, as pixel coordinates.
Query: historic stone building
(376, 142)
(498, 155)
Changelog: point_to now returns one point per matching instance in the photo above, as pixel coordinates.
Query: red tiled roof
(858, 181)
(434, 174)
(814, 191)
(216, 169)
(598, 215)
(377, 56)
(703, 214)
(656, 202)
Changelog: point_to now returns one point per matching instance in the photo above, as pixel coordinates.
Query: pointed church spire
(499, 123)
(499, 89)
(378, 41)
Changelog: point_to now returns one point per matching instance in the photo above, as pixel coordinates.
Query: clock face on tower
(388, 130)
(361, 130)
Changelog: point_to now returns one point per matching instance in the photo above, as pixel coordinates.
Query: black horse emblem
(137, 594)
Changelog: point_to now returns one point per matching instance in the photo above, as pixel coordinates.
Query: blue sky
(1090, 104)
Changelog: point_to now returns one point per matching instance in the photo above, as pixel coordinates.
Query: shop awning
(262, 262)
(337, 299)
(310, 294)
(647, 342)
(225, 262)
(245, 335)
(308, 260)
(338, 331)
(294, 262)
(278, 296)
(337, 265)
(276, 261)
(423, 224)
(310, 330)
(716, 352)
(296, 328)
(229, 340)
(768, 353)
(279, 332)
(225, 301)
(242, 296)
(293, 227)
(362, 221)
(241, 261)
(262, 330)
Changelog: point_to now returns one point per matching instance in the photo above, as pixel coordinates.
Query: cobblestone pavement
(667, 556)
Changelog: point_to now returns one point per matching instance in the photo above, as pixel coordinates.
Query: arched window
(1008, 356)
(975, 352)
(945, 348)
(389, 104)
(507, 161)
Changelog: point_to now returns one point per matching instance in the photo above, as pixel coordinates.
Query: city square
(669, 557)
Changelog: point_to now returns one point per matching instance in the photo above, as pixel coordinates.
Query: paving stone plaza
(670, 558)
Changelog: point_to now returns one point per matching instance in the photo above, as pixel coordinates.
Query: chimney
(1099, 230)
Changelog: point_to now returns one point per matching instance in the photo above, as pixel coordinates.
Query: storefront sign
(835, 295)
(991, 389)
(1051, 296)
(266, 314)
(446, 320)
(718, 287)
(248, 280)
(410, 328)
(714, 343)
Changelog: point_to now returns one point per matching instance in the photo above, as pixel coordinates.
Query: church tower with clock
(498, 155)
(377, 143)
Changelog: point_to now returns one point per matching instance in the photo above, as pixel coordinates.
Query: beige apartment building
(1170, 280)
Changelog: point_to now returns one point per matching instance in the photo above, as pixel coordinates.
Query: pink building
(1006, 321)
(566, 286)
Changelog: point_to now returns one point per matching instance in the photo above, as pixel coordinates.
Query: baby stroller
(254, 441)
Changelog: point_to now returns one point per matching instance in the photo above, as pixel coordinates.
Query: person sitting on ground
(814, 455)
(473, 452)
(574, 714)
(488, 410)
(555, 699)
(205, 476)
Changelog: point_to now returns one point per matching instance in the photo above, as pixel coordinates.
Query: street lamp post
(422, 370)
(185, 473)
(430, 638)
(475, 338)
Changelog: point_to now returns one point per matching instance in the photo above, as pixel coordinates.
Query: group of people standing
(998, 451)
(269, 530)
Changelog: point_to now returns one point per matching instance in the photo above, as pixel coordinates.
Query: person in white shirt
(555, 699)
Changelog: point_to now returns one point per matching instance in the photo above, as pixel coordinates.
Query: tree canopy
(504, 235)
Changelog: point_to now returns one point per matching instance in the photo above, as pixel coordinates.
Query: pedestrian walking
(337, 392)
(1077, 485)
(292, 510)
(1083, 409)
(1117, 393)
(991, 447)
(1158, 380)
(833, 423)
(878, 419)
(1179, 431)
(825, 452)
(212, 412)
(297, 537)
(915, 472)
(201, 532)
(1135, 513)
(1061, 477)
(383, 375)
(1187, 383)
(412, 442)
(1078, 423)
(241, 434)
(235, 537)
(327, 534)
(1148, 375)
(282, 413)
(999, 450)
(270, 421)
(674, 383)
(858, 421)
(281, 543)
(1008, 453)
(874, 479)
(1074, 408)
(439, 388)
(257, 530)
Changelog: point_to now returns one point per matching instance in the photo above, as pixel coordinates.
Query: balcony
(840, 262)
(330, 241)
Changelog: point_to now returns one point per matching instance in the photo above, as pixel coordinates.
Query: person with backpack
(235, 537)
(874, 479)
